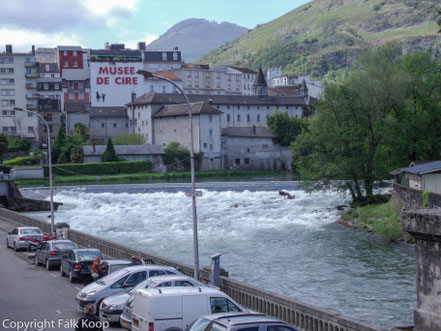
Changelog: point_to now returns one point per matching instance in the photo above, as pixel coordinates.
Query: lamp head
(145, 73)
(18, 108)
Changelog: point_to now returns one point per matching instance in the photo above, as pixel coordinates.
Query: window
(210, 118)
(211, 132)
(28, 60)
(142, 123)
(237, 78)
(57, 86)
(74, 53)
(258, 117)
(12, 112)
(11, 70)
(164, 89)
(102, 125)
(205, 145)
(188, 73)
(66, 64)
(30, 114)
(189, 84)
(12, 129)
(218, 76)
(46, 86)
(114, 125)
(237, 161)
(65, 53)
(196, 74)
(2, 60)
(80, 85)
(264, 146)
(81, 95)
(229, 78)
(4, 112)
(218, 85)
(30, 129)
(248, 118)
(196, 83)
(211, 147)
(11, 60)
(207, 75)
(228, 117)
(75, 63)
(152, 88)
(207, 84)
(71, 96)
(164, 56)
(247, 161)
(238, 117)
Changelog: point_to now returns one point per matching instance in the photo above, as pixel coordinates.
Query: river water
(291, 247)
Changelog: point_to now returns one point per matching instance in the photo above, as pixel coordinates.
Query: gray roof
(260, 80)
(248, 132)
(76, 106)
(425, 168)
(168, 98)
(88, 150)
(108, 112)
(182, 109)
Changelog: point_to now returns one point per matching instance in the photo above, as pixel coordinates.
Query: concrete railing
(301, 315)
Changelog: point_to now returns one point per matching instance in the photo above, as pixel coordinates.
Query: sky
(90, 23)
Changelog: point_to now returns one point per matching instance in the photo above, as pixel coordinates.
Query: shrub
(99, 169)
(109, 154)
(21, 161)
(24, 144)
(425, 199)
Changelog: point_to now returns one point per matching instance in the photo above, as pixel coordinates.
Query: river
(291, 247)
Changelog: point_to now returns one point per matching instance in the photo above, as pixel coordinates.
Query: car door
(134, 279)
(43, 252)
(14, 236)
(66, 262)
(38, 253)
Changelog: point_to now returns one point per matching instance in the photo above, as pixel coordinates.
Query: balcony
(32, 75)
(33, 96)
(31, 107)
(31, 64)
(31, 85)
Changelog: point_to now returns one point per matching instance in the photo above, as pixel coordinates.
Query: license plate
(65, 253)
(125, 323)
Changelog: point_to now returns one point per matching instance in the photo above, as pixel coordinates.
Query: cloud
(23, 39)
(148, 38)
(66, 15)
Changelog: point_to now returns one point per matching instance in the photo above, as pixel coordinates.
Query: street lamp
(147, 75)
(50, 164)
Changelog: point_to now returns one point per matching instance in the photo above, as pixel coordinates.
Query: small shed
(425, 177)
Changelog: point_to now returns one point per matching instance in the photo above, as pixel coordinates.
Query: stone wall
(301, 315)
(413, 199)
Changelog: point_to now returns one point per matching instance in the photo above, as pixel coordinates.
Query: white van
(175, 308)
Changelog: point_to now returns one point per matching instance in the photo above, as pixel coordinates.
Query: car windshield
(62, 246)
(145, 284)
(113, 277)
(30, 231)
(116, 267)
(199, 325)
(87, 255)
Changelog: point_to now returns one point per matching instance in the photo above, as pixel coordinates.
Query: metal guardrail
(299, 314)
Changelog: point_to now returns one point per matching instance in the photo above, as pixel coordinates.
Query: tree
(129, 139)
(438, 20)
(346, 145)
(176, 157)
(81, 130)
(59, 143)
(286, 128)
(3, 146)
(24, 144)
(109, 154)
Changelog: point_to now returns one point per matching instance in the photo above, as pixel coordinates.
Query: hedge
(21, 161)
(99, 169)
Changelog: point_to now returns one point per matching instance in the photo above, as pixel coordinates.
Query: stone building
(253, 148)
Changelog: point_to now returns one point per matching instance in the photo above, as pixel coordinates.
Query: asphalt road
(32, 298)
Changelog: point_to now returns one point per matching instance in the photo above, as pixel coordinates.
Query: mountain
(328, 35)
(195, 37)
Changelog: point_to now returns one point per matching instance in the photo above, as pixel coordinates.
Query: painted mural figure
(98, 96)
(103, 96)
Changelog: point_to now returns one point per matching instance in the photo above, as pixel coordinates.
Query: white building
(18, 88)
(46, 55)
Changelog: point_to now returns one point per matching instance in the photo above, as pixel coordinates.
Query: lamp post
(50, 164)
(148, 74)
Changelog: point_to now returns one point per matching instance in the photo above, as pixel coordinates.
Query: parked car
(77, 264)
(112, 306)
(175, 308)
(51, 252)
(114, 265)
(17, 238)
(119, 281)
(238, 322)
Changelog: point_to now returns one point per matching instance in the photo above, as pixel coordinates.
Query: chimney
(176, 48)
(106, 45)
(9, 49)
(133, 96)
(254, 129)
(141, 46)
(33, 49)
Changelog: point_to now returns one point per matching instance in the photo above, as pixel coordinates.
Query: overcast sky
(90, 23)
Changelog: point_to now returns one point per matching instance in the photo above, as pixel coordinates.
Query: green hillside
(328, 35)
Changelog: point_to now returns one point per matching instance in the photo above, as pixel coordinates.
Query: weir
(303, 316)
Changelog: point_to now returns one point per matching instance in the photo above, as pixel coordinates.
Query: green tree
(176, 157)
(438, 20)
(24, 144)
(286, 128)
(346, 144)
(129, 139)
(59, 143)
(109, 154)
(3, 146)
(80, 129)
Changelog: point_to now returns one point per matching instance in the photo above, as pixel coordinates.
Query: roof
(108, 112)
(242, 318)
(182, 110)
(69, 48)
(425, 168)
(170, 98)
(88, 150)
(76, 106)
(165, 291)
(260, 80)
(168, 75)
(156, 56)
(244, 70)
(248, 132)
(284, 90)
(116, 52)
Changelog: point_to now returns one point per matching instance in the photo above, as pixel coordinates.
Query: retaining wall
(301, 315)
(413, 198)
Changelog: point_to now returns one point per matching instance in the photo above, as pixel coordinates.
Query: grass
(70, 180)
(383, 219)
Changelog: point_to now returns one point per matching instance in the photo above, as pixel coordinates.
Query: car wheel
(48, 266)
(71, 277)
(36, 261)
(62, 273)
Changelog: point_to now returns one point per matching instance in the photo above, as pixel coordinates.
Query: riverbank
(145, 177)
(381, 219)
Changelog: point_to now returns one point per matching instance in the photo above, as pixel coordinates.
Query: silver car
(119, 281)
(112, 306)
(17, 237)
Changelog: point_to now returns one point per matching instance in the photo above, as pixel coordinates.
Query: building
(171, 123)
(160, 60)
(253, 148)
(238, 80)
(50, 99)
(424, 177)
(153, 153)
(46, 55)
(18, 88)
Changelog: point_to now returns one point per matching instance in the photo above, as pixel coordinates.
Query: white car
(17, 237)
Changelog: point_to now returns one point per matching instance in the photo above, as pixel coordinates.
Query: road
(31, 294)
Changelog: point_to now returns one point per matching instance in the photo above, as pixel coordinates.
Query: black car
(78, 264)
(110, 266)
(51, 252)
